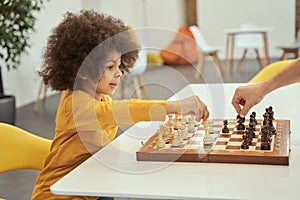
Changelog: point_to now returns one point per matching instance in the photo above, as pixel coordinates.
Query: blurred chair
(204, 50)
(20, 149)
(291, 48)
(269, 71)
(249, 42)
(136, 73)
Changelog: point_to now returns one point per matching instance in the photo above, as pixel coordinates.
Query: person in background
(86, 56)
(245, 97)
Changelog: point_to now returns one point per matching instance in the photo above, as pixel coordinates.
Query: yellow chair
(20, 149)
(269, 71)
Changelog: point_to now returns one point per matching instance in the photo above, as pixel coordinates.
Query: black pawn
(254, 117)
(225, 128)
(245, 144)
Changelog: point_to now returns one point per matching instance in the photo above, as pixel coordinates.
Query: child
(86, 56)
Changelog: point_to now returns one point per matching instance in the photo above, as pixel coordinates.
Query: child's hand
(191, 105)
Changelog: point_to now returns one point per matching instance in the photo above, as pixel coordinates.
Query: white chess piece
(160, 142)
(176, 139)
(184, 131)
(208, 138)
(191, 124)
(177, 123)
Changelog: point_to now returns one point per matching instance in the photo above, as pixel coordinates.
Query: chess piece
(208, 138)
(254, 118)
(165, 133)
(240, 126)
(245, 145)
(170, 122)
(271, 113)
(184, 131)
(177, 123)
(225, 129)
(271, 118)
(251, 128)
(160, 141)
(191, 124)
(265, 134)
(208, 126)
(176, 139)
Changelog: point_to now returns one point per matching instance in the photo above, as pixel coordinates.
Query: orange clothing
(83, 126)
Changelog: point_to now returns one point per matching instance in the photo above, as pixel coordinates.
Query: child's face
(110, 79)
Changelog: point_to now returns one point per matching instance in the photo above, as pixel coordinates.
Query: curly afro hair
(77, 41)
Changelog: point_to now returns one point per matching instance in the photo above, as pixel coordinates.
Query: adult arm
(245, 97)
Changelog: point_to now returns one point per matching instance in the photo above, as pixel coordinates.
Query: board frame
(278, 156)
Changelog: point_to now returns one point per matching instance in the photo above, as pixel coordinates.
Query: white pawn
(160, 142)
(176, 139)
(208, 138)
(184, 131)
(177, 123)
(191, 124)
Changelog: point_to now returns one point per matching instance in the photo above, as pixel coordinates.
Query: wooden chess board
(226, 147)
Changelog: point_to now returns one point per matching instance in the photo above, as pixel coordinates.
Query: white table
(114, 171)
(230, 43)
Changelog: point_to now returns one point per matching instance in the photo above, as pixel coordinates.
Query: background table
(114, 171)
(230, 44)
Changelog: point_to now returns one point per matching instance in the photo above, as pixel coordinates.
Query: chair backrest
(249, 41)
(140, 64)
(199, 38)
(269, 71)
(20, 149)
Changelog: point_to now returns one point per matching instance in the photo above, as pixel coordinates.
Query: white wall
(23, 82)
(167, 14)
(214, 16)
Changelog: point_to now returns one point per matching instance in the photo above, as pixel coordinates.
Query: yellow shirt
(83, 126)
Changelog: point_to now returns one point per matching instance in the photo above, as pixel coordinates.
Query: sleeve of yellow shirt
(127, 112)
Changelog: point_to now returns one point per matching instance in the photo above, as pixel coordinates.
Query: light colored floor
(162, 83)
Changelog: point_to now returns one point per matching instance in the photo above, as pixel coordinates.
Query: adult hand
(245, 97)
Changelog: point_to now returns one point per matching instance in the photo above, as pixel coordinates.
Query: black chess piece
(245, 144)
(251, 133)
(254, 117)
(240, 126)
(271, 118)
(252, 125)
(225, 128)
(249, 136)
(265, 135)
(271, 112)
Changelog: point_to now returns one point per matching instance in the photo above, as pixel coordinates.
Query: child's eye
(110, 67)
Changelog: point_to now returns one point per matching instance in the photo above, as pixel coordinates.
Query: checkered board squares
(226, 147)
(232, 141)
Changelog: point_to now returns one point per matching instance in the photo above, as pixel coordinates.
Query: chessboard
(224, 148)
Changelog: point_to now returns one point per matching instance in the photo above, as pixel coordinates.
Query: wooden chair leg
(258, 59)
(284, 55)
(241, 64)
(137, 87)
(37, 101)
(217, 62)
(144, 88)
(199, 66)
(296, 54)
